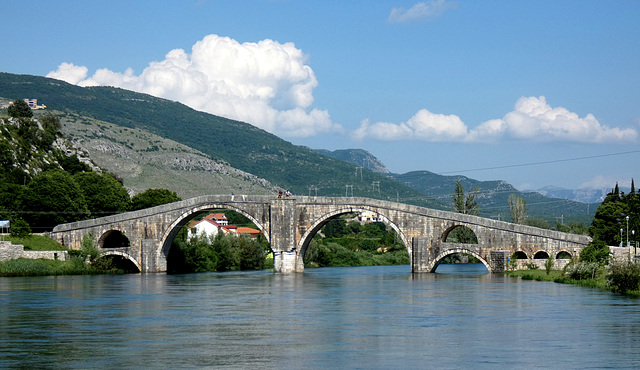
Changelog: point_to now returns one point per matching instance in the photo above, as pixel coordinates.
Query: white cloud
(70, 73)
(424, 125)
(420, 11)
(267, 84)
(532, 119)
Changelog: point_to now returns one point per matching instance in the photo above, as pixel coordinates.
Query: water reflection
(369, 317)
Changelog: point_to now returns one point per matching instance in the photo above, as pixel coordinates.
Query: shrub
(548, 264)
(623, 277)
(582, 270)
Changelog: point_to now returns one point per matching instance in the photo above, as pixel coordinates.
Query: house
(204, 227)
(219, 218)
(253, 233)
(367, 217)
(214, 223)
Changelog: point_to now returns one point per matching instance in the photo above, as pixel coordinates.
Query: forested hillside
(242, 145)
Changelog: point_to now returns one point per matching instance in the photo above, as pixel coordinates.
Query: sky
(535, 93)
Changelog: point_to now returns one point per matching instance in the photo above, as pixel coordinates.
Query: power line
(539, 163)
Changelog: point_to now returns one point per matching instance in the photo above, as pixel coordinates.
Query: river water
(358, 317)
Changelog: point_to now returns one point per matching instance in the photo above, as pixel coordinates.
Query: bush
(19, 228)
(597, 251)
(623, 277)
(582, 270)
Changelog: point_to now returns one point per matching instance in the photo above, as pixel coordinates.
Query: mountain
(492, 196)
(238, 144)
(144, 160)
(579, 195)
(358, 157)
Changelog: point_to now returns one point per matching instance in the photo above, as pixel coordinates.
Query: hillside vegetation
(239, 144)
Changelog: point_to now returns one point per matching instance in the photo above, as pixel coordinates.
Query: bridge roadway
(289, 224)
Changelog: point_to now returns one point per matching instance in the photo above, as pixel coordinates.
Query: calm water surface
(363, 317)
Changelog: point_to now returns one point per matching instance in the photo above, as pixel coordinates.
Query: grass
(557, 277)
(36, 243)
(46, 267)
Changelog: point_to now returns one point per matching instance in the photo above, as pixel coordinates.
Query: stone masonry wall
(10, 251)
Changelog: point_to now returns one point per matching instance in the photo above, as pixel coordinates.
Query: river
(358, 317)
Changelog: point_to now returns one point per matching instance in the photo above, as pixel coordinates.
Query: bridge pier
(283, 236)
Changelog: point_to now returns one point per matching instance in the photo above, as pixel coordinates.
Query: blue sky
(532, 92)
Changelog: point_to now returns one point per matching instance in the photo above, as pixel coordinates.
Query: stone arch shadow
(162, 251)
(322, 220)
(436, 261)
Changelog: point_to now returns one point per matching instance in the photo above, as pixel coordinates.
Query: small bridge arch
(461, 250)
(123, 255)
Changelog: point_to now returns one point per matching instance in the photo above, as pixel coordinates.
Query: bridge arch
(439, 257)
(313, 229)
(460, 230)
(113, 239)
(541, 255)
(563, 254)
(123, 255)
(174, 227)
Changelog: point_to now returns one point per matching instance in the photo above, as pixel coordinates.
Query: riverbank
(556, 276)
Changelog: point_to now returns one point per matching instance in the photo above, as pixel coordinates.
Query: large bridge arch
(183, 218)
(322, 220)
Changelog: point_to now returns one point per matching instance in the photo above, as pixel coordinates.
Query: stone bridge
(289, 224)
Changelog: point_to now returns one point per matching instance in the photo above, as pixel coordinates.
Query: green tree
(465, 203)
(610, 217)
(19, 228)
(19, 109)
(152, 198)
(53, 198)
(335, 228)
(518, 208)
(596, 252)
(103, 193)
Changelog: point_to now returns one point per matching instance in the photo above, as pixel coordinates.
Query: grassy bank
(599, 282)
(45, 267)
(36, 243)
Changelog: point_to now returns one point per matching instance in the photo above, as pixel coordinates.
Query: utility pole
(348, 190)
(313, 188)
(359, 169)
(376, 186)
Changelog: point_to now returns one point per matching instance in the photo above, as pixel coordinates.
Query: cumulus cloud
(532, 119)
(70, 73)
(424, 125)
(420, 11)
(267, 83)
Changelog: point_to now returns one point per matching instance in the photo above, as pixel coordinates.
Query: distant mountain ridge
(578, 195)
(358, 157)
